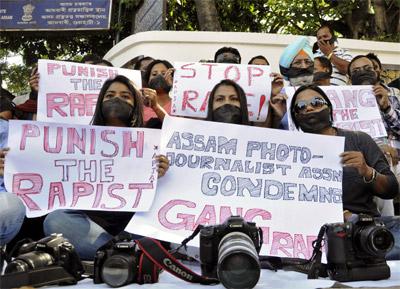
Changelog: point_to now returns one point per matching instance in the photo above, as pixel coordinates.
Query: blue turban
(291, 51)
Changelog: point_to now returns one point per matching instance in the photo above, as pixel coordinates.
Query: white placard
(193, 83)
(52, 166)
(354, 108)
(68, 91)
(286, 182)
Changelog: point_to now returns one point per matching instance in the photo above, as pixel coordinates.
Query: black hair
(325, 62)
(91, 58)
(137, 118)
(150, 67)
(6, 104)
(242, 99)
(106, 62)
(305, 87)
(227, 49)
(327, 25)
(259, 57)
(139, 62)
(373, 56)
(354, 59)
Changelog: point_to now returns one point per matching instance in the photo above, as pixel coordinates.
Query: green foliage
(16, 77)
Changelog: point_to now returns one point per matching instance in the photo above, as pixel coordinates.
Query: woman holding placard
(366, 172)
(119, 104)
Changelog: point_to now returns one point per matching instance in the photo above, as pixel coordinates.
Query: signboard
(354, 108)
(68, 91)
(51, 166)
(150, 16)
(55, 14)
(286, 182)
(193, 83)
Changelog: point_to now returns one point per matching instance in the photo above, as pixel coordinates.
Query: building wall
(199, 45)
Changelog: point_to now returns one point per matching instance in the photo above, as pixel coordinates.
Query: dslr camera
(229, 252)
(53, 250)
(356, 250)
(121, 263)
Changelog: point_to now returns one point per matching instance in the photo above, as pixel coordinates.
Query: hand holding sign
(382, 97)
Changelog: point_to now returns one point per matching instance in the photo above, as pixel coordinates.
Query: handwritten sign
(193, 83)
(354, 108)
(53, 166)
(286, 182)
(68, 91)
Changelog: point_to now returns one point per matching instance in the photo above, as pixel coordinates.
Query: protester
(159, 77)
(227, 55)
(12, 211)
(366, 172)
(119, 104)
(297, 66)
(259, 60)
(328, 47)
(90, 59)
(143, 63)
(361, 71)
(103, 62)
(296, 62)
(228, 103)
(378, 69)
(322, 71)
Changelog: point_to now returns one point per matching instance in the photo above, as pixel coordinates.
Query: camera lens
(119, 270)
(29, 261)
(238, 263)
(375, 240)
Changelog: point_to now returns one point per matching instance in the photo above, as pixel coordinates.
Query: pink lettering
(104, 135)
(187, 99)
(128, 144)
(28, 130)
(51, 67)
(139, 187)
(79, 190)
(252, 73)
(54, 102)
(73, 140)
(36, 187)
(186, 67)
(187, 219)
(110, 191)
(236, 71)
(59, 139)
(56, 190)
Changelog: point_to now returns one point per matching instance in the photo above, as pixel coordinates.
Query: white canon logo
(167, 262)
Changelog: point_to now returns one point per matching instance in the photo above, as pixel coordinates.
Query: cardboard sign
(286, 182)
(68, 91)
(51, 166)
(193, 83)
(354, 108)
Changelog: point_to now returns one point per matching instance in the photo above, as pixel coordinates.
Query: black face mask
(363, 77)
(294, 72)
(314, 122)
(159, 84)
(228, 113)
(321, 76)
(116, 108)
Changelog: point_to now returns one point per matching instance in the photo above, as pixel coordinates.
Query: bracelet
(373, 177)
(330, 55)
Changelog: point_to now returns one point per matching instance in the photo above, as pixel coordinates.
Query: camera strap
(162, 258)
(39, 277)
(312, 267)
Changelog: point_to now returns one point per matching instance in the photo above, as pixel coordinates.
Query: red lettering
(54, 101)
(128, 144)
(252, 73)
(185, 67)
(59, 139)
(210, 69)
(28, 130)
(56, 190)
(35, 188)
(80, 189)
(111, 190)
(186, 99)
(139, 187)
(236, 70)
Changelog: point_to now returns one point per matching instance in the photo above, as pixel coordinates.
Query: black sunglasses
(315, 102)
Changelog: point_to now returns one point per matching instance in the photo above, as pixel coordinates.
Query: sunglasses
(315, 102)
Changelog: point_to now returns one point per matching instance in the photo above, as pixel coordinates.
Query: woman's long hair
(137, 116)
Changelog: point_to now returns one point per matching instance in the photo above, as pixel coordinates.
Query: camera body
(356, 251)
(123, 263)
(53, 250)
(219, 241)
